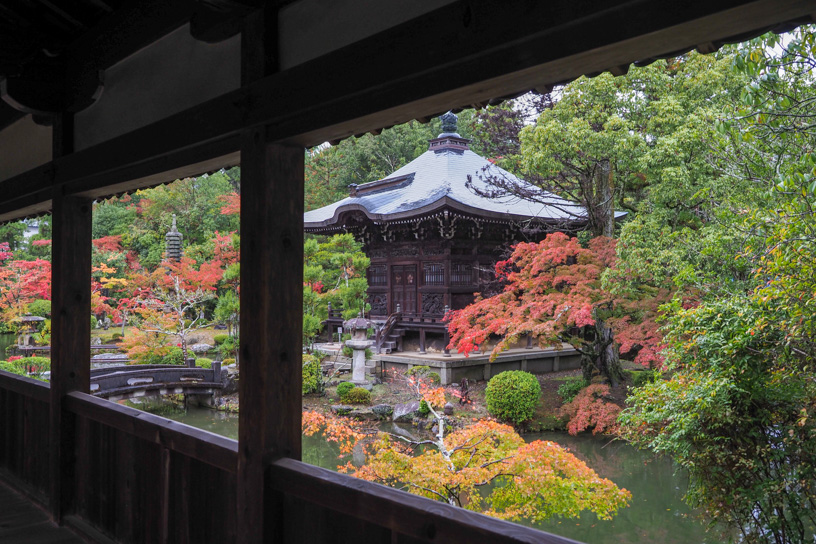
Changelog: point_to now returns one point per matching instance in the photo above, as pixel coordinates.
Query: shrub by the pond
(203, 362)
(220, 339)
(27, 366)
(229, 361)
(343, 389)
(358, 395)
(513, 395)
(174, 357)
(312, 375)
(570, 388)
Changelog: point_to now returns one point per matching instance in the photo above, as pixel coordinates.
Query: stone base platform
(477, 366)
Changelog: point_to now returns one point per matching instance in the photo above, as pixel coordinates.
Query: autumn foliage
(554, 292)
(532, 481)
(592, 408)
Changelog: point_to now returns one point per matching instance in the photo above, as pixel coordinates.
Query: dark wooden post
(70, 324)
(271, 302)
(272, 323)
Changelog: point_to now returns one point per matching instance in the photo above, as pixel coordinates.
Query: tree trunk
(601, 354)
(606, 204)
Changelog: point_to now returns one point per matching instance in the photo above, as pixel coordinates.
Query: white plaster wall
(311, 28)
(23, 145)
(182, 73)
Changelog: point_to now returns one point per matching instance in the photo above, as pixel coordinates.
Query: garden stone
(200, 348)
(110, 356)
(363, 414)
(341, 409)
(382, 410)
(448, 409)
(229, 384)
(405, 412)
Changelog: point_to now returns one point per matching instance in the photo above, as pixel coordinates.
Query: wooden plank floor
(23, 523)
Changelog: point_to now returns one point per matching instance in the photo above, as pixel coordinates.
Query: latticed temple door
(404, 288)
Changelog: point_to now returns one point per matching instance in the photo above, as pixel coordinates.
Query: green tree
(334, 271)
(740, 409)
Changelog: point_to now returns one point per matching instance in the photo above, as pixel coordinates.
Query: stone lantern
(358, 328)
(25, 340)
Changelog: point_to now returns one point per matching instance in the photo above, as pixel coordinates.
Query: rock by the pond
(220, 327)
(200, 348)
(382, 410)
(448, 409)
(341, 409)
(406, 412)
(363, 414)
(455, 385)
(229, 384)
(376, 381)
(110, 356)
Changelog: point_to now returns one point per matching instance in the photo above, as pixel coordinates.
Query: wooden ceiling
(464, 53)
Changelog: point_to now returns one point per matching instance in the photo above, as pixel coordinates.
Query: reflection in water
(656, 514)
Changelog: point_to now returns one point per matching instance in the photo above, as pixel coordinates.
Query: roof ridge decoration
(380, 185)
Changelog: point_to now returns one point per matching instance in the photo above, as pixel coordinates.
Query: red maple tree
(553, 292)
(22, 282)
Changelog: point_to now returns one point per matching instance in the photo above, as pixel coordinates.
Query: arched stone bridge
(125, 382)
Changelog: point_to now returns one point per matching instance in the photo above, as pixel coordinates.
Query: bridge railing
(111, 381)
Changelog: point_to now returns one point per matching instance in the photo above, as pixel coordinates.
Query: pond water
(6, 340)
(656, 513)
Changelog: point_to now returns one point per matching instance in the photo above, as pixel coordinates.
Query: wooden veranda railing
(142, 478)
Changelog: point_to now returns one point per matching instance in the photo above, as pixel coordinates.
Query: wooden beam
(272, 205)
(70, 333)
(271, 323)
(417, 68)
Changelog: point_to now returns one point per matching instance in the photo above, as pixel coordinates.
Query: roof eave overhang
(445, 202)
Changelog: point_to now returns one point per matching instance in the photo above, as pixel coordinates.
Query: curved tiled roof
(439, 178)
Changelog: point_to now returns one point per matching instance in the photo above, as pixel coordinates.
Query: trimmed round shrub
(343, 389)
(219, 339)
(570, 388)
(203, 362)
(424, 409)
(358, 395)
(228, 361)
(513, 395)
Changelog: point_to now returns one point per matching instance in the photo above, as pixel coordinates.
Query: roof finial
(449, 123)
(173, 228)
